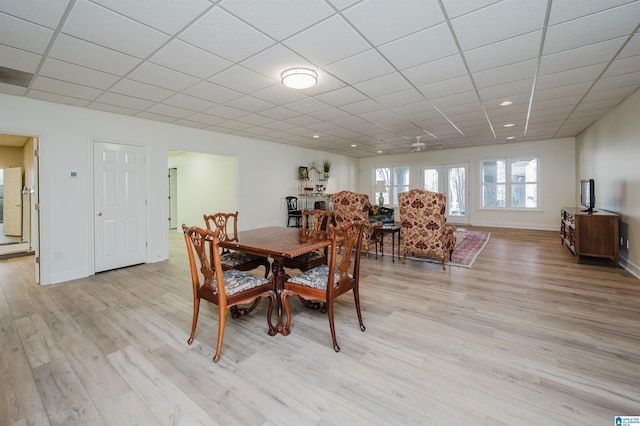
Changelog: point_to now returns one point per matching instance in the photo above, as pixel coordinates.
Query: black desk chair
(293, 212)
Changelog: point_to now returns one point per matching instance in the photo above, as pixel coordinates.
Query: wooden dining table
(277, 243)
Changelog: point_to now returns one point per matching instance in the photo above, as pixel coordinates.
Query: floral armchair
(422, 222)
(348, 206)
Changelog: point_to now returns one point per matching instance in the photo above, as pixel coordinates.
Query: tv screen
(587, 195)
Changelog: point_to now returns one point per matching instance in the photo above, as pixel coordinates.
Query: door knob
(99, 213)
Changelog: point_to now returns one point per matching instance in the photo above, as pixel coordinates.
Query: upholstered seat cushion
(316, 278)
(235, 258)
(237, 281)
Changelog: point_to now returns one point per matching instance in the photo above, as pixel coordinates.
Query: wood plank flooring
(525, 337)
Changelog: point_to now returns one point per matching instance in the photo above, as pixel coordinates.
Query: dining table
(278, 243)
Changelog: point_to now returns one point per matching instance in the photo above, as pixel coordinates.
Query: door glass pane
(456, 193)
(430, 180)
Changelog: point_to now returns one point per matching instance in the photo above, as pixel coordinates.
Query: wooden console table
(590, 234)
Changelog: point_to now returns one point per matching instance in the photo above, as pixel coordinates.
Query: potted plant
(326, 167)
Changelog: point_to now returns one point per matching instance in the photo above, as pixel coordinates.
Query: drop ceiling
(389, 70)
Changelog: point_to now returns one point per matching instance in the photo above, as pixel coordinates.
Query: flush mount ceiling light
(299, 78)
(506, 103)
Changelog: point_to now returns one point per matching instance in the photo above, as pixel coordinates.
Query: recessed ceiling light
(353, 145)
(508, 125)
(510, 138)
(379, 152)
(316, 136)
(299, 78)
(506, 103)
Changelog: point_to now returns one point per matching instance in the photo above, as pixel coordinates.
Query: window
(511, 183)
(396, 180)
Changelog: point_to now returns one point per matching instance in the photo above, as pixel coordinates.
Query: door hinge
(36, 206)
(36, 153)
(37, 259)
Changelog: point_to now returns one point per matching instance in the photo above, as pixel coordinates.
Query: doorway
(450, 179)
(18, 196)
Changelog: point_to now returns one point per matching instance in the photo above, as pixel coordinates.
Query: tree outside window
(396, 180)
(511, 182)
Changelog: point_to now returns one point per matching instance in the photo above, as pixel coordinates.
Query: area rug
(468, 245)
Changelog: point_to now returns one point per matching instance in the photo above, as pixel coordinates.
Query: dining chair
(227, 223)
(315, 224)
(225, 288)
(326, 282)
(293, 212)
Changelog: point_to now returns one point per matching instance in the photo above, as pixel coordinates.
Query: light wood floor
(525, 337)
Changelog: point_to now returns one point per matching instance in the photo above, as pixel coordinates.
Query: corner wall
(609, 152)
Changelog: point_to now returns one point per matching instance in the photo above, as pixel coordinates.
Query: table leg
(393, 243)
(398, 244)
(279, 278)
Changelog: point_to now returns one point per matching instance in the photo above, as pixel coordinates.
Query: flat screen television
(587, 195)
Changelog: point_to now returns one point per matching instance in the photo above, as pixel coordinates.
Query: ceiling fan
(418, 146)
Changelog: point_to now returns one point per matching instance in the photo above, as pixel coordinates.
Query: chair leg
(356, 298)
(267, 268)
(450, 255)
(272, 301)
(222, 317)
(332, 326)
(284, 299)
(442, 260)
(194, 321)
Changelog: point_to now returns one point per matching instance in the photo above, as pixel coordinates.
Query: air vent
(15, 77)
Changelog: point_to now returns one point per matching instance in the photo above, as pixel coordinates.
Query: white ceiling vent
(15, 77)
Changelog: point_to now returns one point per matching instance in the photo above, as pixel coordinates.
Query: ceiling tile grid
(388, 71)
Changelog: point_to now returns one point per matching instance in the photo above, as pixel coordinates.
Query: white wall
(205, 184)
(556, 190)
(609, 152)
(267, 172)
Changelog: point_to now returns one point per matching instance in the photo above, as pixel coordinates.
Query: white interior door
(450, 179)
(12, 207)
(120, 205)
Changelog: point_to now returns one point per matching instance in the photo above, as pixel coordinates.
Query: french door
(450, 179)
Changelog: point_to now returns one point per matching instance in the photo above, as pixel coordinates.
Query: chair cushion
(237, 281)
(236, 258)
(316, 278)
(309, 257)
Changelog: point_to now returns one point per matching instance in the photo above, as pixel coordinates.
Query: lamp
(299, 78)
(381, 188)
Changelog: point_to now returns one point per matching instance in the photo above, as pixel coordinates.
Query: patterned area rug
(468, 245)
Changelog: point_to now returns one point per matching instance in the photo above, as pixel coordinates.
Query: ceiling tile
(188, 102)
(447, 87)
(214, 92)
(59, 99)
(63, 88)
(383, 85)
(435, 43)
(576, 75)
(234, 40)
(185, 58)
(250, 104)
(587, 30)
(169, 111)
(361, 67)
(24, 35)
(75, 73)
(327, 42)
(141, 90)
(112, 98)
(280, 18)
(171, 17)
(580, 57)
(431, 72)
(372, 18)
(17, 59)
(89, 55)
(96, 24)
(163, 77)
(518, 71)
(243, 78)
(566, 10)
(47, 13)
(506, 52)
(455, 8)
(497, 22)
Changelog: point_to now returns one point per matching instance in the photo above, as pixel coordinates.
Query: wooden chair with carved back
(315, 224)
(225, 288)
(326, 282)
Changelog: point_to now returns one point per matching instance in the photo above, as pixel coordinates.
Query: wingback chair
(422, 222)
(348, 206)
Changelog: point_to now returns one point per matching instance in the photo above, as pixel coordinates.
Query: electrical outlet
(627, 244)
(621, 241)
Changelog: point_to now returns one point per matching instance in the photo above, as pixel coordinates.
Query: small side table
(388, 229)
